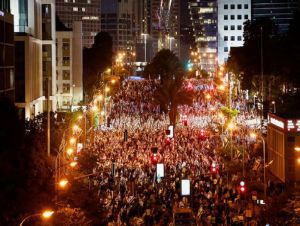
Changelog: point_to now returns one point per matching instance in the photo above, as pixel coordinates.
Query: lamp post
(145, 42)
(45, 215)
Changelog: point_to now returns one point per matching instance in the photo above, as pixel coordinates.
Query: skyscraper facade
(165, 25)
(35, 54)
(204, 16)
(280, 11)
(87, 11)
(231, 17)
(7, 72)
(117, 18)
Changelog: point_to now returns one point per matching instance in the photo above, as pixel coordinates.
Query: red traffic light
(154, 158)
(167, 141)
(242, 186)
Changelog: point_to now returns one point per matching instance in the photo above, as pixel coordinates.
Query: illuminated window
(75, 9)
(89, 1)
(83, 9)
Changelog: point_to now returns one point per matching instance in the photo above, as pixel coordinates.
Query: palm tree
(170, 95)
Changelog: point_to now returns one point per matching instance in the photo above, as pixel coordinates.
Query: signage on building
(276, 122)
(293, 125)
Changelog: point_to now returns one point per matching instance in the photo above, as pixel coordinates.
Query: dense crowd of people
(130, 191)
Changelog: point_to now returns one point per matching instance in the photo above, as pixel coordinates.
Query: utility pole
(262, 76)
(48, 116)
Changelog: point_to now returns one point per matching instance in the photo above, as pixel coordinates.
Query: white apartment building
(69, 67)
(35, 67)
(231, 17)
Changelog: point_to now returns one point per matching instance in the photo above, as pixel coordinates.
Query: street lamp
(231, 127)
(145, 41)
(274, 105)
(63, 183)
(254, 135)
(44, 215)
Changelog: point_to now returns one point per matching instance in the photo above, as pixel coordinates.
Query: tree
(165, 65)
(25, 170)
(96, 60)
(170, 95)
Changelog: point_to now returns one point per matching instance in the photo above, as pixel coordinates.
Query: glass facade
(23, 15)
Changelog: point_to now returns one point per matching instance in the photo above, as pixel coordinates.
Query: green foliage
(229, 113)
(170, 95)
(25, 170)
(165, 65)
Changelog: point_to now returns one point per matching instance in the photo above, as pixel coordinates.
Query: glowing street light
(44, 215)
(75, 127)
(73, 164)
(107, 89)
(231, 126)
(94, 108)
(70, 151)
(208, 96)
(72, 140)
(113, 81)
(297, 149)
(63, 183)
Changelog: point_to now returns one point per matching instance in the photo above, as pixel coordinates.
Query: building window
(225, 17)
(225, 6)
(239, 17)
(225, 49)
(239, 27)
(66, 61)
(239, 6)
(246, 6)
(66, 0)
(232, 38)
(225, 38)
(225, 27)
(232, 17)
(83, 9)
(75, 9)
(66, 75)
(239, 38)
(89, 1)
(246, 17)
(232, 6)
(66, 88)
(232, 27)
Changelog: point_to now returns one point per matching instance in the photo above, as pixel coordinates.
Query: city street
(136, 140)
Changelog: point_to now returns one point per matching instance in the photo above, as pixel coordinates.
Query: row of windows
(239, 17)
(232, 38)
(75, 9)
(74, 1)
(232, 27)
(238, 6)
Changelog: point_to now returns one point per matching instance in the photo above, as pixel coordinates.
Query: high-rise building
(204, 16)
(165, 25)
(7, 72)
(117, 18)
(87, 11)
(35, 53)
(69, 65)
(280, 11)
(231, 17)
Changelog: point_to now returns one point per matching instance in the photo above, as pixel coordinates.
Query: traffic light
(167, 140)
(213, 168)
(202, 135)
(242, 186)
(168, 132)
(154, 158)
